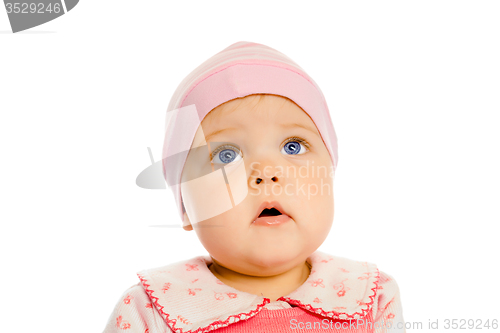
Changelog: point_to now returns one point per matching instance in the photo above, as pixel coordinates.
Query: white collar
(191, 299)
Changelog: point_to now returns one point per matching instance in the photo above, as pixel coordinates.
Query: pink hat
(242, 69)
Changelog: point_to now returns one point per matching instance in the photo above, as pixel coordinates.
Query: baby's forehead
(252, 106)
(250, 113)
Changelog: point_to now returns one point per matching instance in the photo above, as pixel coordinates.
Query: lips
(272, 208)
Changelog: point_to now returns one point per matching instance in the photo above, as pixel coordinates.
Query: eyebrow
(218, 132)
(299, 125)
(207, 138)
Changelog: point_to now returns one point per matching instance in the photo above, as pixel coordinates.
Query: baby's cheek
(314, 204)
(219, 234)
(312, 188)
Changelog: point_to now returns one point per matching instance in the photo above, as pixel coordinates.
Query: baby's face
(282, 162)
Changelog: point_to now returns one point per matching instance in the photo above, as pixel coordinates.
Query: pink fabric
(186, 297)
(240, 70)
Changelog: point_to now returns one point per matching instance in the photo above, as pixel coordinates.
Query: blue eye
(226, 154)
(229, 153)
(294, 146)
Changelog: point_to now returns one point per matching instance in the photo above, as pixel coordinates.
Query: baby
(250, 154)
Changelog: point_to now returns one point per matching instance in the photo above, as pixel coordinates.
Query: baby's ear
(187, 226)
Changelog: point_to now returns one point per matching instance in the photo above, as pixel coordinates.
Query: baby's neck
(272, 287)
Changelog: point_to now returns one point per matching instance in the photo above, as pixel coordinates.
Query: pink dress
(340, 295)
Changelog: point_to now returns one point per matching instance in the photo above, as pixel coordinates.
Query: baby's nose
(271, 179)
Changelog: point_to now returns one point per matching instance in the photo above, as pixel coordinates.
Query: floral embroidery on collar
(192, 300)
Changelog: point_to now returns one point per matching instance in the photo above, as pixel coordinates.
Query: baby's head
(255, 147)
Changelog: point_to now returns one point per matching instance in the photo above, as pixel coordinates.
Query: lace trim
(213, 326)
(335, 314)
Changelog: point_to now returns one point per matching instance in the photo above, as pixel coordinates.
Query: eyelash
(293, 138)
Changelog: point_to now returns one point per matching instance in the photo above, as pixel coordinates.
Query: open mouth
(270, 212)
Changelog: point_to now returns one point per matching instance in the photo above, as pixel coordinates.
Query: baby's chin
(271, 259)
(267, 265)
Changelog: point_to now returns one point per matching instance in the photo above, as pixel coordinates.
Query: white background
(413, 90)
